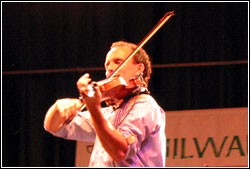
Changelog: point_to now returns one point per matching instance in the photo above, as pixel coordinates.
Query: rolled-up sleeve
(141, 121)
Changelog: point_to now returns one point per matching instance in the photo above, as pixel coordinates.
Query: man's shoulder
(147, 100)
(144, 97)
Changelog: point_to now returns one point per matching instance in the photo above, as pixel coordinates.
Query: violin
(114, 87)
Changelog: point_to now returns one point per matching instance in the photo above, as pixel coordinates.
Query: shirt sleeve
(80, 129)
(143, 119)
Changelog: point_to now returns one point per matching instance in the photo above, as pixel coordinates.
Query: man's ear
(141, 68)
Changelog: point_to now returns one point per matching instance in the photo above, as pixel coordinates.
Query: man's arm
(113, 142)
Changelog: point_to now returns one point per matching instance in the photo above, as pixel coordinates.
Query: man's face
(116, 56)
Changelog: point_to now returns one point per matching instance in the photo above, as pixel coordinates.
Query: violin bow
(162, 21)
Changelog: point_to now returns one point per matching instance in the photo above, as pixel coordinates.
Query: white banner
(211, 137)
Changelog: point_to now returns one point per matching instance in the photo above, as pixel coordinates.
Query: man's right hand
(61, 111)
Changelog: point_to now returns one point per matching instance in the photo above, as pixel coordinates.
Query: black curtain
(64, 35)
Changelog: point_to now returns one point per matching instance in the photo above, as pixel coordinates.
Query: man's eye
(118, 61)
(106, 65)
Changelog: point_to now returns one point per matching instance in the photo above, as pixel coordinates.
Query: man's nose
(108, 72)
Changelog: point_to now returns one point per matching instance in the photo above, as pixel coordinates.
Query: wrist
(94, 109)
(96, 113)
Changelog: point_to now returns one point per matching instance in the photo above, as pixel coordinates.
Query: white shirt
(141, 119)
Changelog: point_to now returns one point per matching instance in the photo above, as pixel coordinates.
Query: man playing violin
(130, 131)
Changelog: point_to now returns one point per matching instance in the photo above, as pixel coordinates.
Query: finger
(83, 80)
(78, 104)
(66, 104)
(85, 76)
(97, 90)
(71, 111)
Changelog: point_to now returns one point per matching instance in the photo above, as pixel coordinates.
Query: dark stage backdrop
(61, 36)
